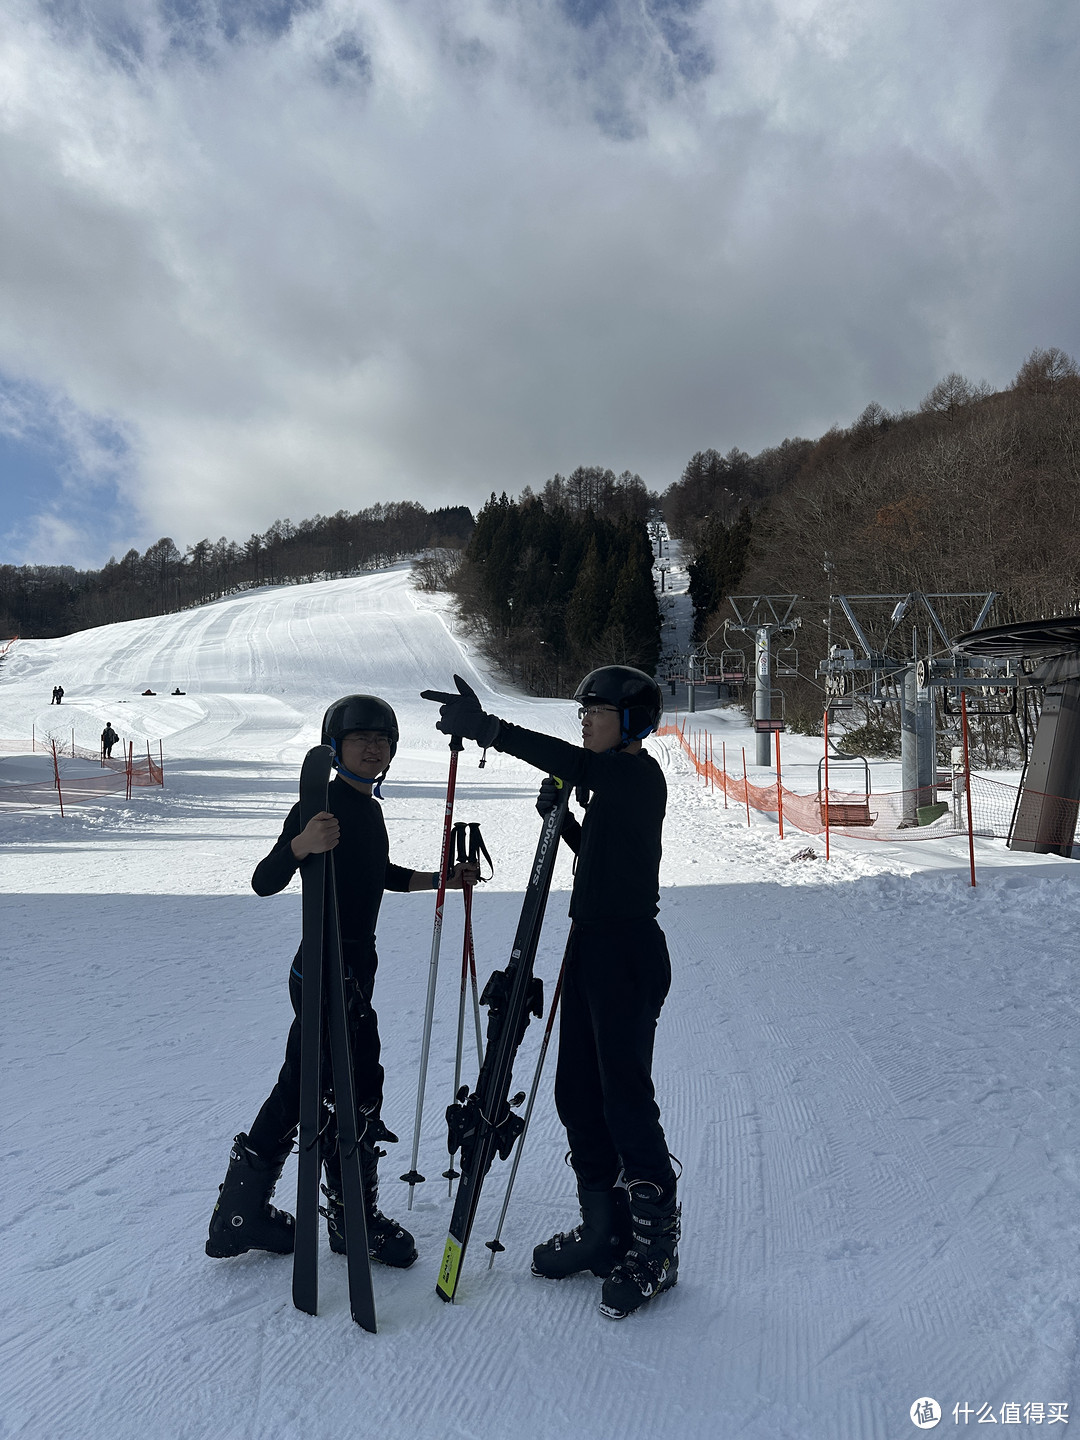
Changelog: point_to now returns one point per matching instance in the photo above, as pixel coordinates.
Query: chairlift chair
(852, 810)
(732, 667)
(787, 662)
(988, 699)
(775, 723)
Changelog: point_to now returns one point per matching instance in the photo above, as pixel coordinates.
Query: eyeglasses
(584, 710)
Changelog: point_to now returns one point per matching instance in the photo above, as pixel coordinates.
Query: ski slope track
(867, 1069)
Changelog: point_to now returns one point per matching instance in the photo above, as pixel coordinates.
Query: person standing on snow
(109, 737)
(615, 982)
(363, 732)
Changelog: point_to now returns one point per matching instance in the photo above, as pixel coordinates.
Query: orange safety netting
(866, 816)
(68, 786)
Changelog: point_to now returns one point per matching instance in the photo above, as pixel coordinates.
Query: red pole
(967, 784)
(746, 787)
(161, 763)
(826, 782)
(130, 765)
(779, 788)
(723, 763)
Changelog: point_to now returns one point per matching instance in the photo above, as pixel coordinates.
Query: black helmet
(359, 712)
(633, 693)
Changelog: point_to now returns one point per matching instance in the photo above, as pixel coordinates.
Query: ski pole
(413, 1176)
(477, 848)
(496, 1245)
(460, 855)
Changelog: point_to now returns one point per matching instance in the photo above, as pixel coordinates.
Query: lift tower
(764, 617)
(915, 677)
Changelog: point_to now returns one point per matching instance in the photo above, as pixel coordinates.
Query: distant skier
(109, 737)
(57, 695)
(616, 980)
(363, 731)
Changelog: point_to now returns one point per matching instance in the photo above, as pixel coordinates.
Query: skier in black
(616, 979)
(109, 737)
(363, 732)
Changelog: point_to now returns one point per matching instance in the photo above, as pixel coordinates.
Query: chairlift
(837, 695)
(775, 723)
(787, 662)
(854, 808)
(732, 667)
(989, 699)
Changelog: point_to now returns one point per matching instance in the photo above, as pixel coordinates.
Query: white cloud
(402, 249)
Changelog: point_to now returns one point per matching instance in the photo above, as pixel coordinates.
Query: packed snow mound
(256, 670)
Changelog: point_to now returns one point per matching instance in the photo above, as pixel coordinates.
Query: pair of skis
(484, 1124)
(323, 991)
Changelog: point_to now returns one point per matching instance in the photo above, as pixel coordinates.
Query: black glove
(548, 797)
(462, 714)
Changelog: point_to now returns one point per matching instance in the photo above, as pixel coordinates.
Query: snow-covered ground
(867, 1069)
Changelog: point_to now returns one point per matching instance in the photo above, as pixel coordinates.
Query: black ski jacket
(617, 876)
(362, 862)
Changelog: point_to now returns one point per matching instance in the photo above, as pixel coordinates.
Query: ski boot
(388, 1242)
(602, 1238)
(651, 1265)
(243, 1217)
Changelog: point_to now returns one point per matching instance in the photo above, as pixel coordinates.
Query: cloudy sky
(267, 258)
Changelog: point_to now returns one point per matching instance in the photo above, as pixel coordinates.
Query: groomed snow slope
(867, 1069)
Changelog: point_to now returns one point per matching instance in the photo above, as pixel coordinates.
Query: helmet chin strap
(373, 780)
(627, 738)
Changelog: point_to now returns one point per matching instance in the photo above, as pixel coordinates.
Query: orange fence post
(746, 787)
(779, 788)
(723, 764)
(967, 783)
(130, 765)
(826, 723)
(161, 764)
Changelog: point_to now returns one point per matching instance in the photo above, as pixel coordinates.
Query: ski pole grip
(457, 742)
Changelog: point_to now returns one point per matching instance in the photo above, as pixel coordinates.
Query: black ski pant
(275, 1126)
(616, 980)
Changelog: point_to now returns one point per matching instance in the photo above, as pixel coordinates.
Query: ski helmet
(359, 712)
(634, 694)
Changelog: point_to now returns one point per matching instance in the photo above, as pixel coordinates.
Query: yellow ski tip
(448, 1271)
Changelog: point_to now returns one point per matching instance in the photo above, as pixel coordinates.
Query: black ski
(314, 779)
(483, 1124)
(324, 986)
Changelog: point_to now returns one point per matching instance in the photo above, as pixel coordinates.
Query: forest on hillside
(557, 583)
(39, 601)
(977, 491)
